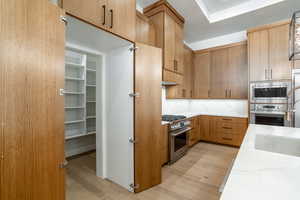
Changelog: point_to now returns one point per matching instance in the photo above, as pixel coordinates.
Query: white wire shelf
(74, 107)
(90, 70)
(74, 121)
(80, 135)
(91, 85)
(74, 93)
(90, 101)
(73, 78)
(69, 64)
(91, 117)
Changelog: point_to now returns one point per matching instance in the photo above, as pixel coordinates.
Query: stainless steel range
(178, 136)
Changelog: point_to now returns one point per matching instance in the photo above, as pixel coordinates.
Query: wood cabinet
(201, 76)
(218, 74)
(164, 146)
(114, 16)
(268, 52)
(32, 116)
(237, 71)
(188, 77)
(194, 132)
(169, 36)
(145, 30)
(221, 72)
(223, 130)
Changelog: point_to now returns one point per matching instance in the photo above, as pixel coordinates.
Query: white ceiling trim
(234, 11)
(219, 41)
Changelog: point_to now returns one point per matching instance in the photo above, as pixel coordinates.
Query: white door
(119, 161)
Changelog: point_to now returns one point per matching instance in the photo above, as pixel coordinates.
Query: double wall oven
(270, 103)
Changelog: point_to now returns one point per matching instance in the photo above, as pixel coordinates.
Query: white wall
(218, 107)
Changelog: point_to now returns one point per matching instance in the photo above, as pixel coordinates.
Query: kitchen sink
(278, 144)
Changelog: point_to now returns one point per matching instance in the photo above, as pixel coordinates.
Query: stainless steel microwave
(270, 92)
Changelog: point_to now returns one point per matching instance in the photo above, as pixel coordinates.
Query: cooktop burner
(170, 118)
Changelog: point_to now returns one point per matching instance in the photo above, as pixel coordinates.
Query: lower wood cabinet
(164, 139)
(194, 136)
(223, 130)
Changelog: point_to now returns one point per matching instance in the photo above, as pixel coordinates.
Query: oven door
(178, 144)
(272, 119)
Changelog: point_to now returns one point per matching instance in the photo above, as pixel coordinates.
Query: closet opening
(99, 117)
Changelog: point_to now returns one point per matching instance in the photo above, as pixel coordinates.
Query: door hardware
(133, 141)
(112, 18)
(61, 92)
(133, 48)
(63, 165)
(134, 94)
(134, 186)
(64, 19)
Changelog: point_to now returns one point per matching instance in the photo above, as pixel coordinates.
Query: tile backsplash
(225, 107)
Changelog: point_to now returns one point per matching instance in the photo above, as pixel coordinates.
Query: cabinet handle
(191, 93)
(224, 138)
(104, 16)
(271, 74)
(226, 93)
(183, 92)
(226, 128)
(230, 93)
(227, 119)
(175, 65)
(111, 18)
(266, 74)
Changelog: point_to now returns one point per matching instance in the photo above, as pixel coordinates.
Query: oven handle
(180, 132)
(270, 113)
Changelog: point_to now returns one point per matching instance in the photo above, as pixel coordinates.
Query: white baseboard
(80, 150)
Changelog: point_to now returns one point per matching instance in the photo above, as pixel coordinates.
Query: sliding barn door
(32, 111)
(148, 76)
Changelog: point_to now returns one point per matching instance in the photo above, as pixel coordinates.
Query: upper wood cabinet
(188, 77)
(169, 34)
(268, 52)
(201, 75)
(221, 72)
(114, 16)
(238, 72)
(145, 30)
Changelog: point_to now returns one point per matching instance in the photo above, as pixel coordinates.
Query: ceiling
(198, 26)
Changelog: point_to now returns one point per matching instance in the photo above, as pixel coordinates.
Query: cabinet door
(179, 49)
(164, 146)
(204, 124)
(32, 60)
(121, 18)
(92, 11)
(237, 72)
(188, 72)
(175, 92)
(280, 65)
(169, 48)
(148, 72)
(201, 75)
(218, 74)
(145, 30)
(258, 46)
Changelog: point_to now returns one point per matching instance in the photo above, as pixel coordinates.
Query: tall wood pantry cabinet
(115, 16)
(268, 52)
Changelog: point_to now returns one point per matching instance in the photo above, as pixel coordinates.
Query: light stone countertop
(264, 175)
(189, 115)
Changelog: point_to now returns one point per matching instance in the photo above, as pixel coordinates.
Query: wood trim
(164, 6)
(268, 26)
(142, 16)
(220, 47)
(173, 71)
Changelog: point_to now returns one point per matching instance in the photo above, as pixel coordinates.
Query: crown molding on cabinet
(268, 26)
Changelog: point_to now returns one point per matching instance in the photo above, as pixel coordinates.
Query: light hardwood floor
(197, 176)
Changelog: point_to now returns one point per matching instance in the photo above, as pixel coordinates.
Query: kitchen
(149, 99)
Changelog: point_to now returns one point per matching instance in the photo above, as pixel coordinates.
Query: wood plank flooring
(197, 176)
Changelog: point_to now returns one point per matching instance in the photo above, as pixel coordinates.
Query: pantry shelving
(80, 93)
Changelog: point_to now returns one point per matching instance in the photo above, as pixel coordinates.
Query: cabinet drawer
(193, 139)
(227, 138)
(233, 120)
(231, 127)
